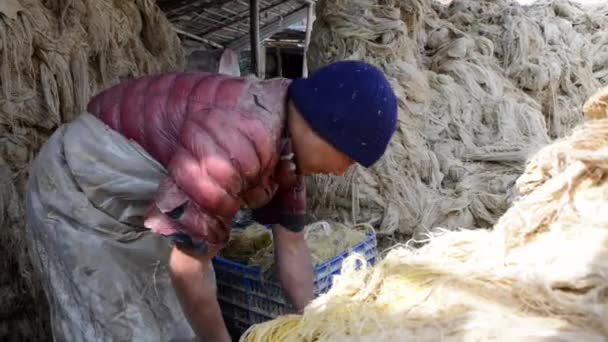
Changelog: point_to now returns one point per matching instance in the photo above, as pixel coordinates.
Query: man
(178, 155)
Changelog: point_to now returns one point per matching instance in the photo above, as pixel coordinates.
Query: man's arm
(195, 287)
(287, 214)
(294, 265)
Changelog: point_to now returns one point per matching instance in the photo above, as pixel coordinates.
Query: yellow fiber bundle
(540, 274)
(245, 244)
(253, 245)
(326, 239)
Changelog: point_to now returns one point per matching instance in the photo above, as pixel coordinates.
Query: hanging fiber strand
(54, 55)
(482, 84)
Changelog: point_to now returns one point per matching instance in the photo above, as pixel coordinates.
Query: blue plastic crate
(247, 297)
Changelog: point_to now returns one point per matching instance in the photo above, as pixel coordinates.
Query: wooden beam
(270, 29)
(309, 18)
(175, 9)
(195, 37)
(254, 27)
(239, 17)
(206, 15)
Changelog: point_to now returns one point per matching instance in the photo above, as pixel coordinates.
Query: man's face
(313, 154)
(330, 160)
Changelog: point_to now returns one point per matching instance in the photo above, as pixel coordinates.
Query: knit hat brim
(350, 105)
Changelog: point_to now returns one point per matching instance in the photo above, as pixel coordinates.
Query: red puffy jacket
(219, 138)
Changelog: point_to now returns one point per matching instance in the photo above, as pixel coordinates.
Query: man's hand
(194, 283)
(294, 265)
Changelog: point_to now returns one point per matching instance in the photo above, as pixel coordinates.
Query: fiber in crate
(252, 246)
(248, 294)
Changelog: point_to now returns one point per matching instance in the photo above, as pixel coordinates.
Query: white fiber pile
(483, 85)
(541, 274)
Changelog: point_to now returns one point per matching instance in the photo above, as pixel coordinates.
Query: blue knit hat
(351, 105)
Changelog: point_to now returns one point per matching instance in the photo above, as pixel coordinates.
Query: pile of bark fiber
(54, 55)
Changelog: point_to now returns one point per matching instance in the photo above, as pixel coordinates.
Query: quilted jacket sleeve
(200, 195)
(210, 168)
(187, 122)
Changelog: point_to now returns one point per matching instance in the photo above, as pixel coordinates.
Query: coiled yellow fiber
(540, 274)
